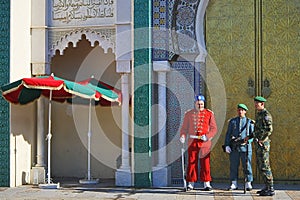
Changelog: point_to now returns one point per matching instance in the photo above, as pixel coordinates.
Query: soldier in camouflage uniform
(262, 130)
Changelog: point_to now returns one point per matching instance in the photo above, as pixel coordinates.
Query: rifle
(246, 167)
(183, 168)
(235, 142)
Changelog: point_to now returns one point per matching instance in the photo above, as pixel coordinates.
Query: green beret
(260, 99)
(242, 106)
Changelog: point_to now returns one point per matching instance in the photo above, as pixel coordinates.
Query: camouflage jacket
(263, 125)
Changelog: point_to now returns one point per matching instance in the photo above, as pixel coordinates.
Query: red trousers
(194, 152)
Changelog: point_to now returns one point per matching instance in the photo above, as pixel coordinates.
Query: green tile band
(4, 78)
(142, 93)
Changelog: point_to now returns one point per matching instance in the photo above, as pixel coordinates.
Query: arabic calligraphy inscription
(81, 11)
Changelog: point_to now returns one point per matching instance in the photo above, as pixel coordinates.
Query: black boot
(268, 192)
(260, 191)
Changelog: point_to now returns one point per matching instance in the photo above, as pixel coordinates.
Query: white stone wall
(20, 39)
(22, 125)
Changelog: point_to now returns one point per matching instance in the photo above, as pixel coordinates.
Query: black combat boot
(268, 192)
(260, 191)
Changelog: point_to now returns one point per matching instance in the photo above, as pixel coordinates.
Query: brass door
(255, 45)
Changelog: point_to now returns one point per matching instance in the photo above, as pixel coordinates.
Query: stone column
(125, 123)
(39, 38)
(160, 171)
(40, 141)
(38, 172)
(201, 57)
(200, 74)
(39, 66)
(197, 79)
(123, 174)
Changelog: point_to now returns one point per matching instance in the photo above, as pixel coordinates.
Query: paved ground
(105, 192)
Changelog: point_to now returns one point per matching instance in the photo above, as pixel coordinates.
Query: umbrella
(27, 90)
(108, 96)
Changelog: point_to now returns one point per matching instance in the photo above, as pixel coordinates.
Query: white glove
(182, 139)
(203, 138)
(228, 149)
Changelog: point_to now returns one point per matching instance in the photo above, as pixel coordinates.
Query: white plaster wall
(20, 39)
(69, 141)
(22, 143)
(22, 117)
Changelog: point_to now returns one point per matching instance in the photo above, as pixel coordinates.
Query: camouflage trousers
(263, 162)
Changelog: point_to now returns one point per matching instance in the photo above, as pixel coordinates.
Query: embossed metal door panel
(255, 45)
(281, 67)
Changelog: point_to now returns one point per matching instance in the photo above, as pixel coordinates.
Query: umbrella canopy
(108, 95)
(73, 90)
(27, 90)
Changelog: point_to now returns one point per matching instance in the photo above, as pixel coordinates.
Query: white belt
(198, 137)
(195, 136)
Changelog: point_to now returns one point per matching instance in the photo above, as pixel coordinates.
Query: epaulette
(188, 110)
(230, 119)
(210, 111)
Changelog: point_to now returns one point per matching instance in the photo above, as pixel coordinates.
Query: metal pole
(89, 141)
(49, 138)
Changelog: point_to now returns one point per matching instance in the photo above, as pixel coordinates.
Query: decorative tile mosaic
(142, 93)
(183, 22)
(173, 28)
(4, 78)
(160, 31)
(179, 100)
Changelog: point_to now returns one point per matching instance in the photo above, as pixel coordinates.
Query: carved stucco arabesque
(59, 40)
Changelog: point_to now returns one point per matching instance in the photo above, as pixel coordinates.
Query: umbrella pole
(89, 180)
(49, 137)
(89, 141)
(49, 185)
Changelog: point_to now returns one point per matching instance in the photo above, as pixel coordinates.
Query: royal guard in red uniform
(198, 129)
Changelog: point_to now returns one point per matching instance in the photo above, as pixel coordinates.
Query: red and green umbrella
(27, 90)
(109, 96)
(86, 92)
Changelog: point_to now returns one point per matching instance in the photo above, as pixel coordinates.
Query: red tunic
(195, 124)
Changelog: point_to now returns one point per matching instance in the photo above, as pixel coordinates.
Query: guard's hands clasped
(228, 149)
(182, 139)
(204, 138)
